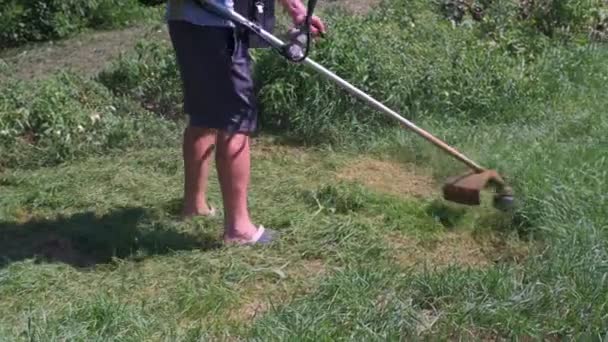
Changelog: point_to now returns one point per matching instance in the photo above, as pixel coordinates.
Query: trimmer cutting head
(466, 189)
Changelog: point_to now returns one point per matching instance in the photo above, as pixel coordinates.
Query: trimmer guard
(466, 189)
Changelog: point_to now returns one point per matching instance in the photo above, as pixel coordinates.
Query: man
(215, 68)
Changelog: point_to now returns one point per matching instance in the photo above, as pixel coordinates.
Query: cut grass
(95, 249)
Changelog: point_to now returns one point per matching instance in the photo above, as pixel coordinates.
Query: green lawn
(92, 247)
(95, 250)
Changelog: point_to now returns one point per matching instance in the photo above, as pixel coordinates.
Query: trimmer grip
(295, 49)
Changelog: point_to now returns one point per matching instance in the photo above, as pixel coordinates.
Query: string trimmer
(464, 189)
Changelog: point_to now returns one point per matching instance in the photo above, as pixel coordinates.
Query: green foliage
(115, 13)
(554, 17)
(423, 66)
(36, 20)
(149, 75)
(66, 116)
(529, 104)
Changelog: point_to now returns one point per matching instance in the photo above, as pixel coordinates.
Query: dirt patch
(87, 53)
(253, 308)
(314, 268)
(389, 177)
(454, 248)
(426, 321)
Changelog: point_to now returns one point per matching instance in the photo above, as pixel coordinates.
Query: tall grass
(411, 58)
(149, 75)
(67, 116)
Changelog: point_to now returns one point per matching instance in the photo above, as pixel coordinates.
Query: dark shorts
(215, 69)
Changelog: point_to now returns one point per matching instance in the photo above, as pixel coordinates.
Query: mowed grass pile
(511, 95)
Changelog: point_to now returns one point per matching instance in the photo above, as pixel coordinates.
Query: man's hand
(297, 11)
(317, 28)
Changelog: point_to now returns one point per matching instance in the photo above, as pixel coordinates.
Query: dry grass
(389, 177)
(454, 249)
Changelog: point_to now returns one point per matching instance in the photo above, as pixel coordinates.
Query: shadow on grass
(86, 239)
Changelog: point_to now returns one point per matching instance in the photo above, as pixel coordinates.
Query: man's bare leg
(233, 165)
(197, 149)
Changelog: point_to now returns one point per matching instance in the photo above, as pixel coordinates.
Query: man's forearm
(293, 7)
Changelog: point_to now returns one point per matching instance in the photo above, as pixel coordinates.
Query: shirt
(188, 10)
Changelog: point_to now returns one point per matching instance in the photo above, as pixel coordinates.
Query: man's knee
(232, 143)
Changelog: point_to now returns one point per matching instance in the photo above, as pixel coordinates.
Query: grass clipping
(388, 177)
(454, 249)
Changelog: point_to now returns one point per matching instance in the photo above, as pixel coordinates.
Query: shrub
(36, 20)
(149, 75)
(414, 61)
(115, 13)
(553, 17)
(67, 116)
(39, 20)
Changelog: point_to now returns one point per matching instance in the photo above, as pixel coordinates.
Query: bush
(149, 75)
(553, 17)
(414, 61)
(36, 20)
(67, 116)
(115, 13)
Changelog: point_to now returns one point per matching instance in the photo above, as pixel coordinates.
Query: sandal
(263, 236)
